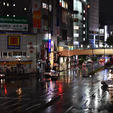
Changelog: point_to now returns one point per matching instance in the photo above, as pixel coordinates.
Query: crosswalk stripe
(36, 105)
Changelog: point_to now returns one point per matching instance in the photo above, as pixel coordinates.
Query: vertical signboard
(49, 45)
(37, 19)
(36, 15)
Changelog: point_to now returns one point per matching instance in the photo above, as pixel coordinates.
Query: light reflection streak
(19, 91)
(5, 89)
(107, 96)
(96, 100)
(49, 109)
(105, 74)
(2, 82)
(50, 87)
(87, 96)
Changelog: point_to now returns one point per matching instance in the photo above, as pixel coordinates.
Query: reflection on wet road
(69, 94)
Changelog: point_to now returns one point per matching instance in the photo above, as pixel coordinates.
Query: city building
(17, 43)
(80, 23)
(93, 23)
(40, 29)
(105, 20)
(57, 28)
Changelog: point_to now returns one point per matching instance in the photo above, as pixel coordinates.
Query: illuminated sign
(13, 24)
(13, 27)
(36, 13)
(76, 35)
(63, 4)
(76, 27)
(44, 5)
(49, 45)
(60, 2)
(13, 42)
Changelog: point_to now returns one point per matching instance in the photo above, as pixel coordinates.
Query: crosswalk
(18, 105)
(24, 104)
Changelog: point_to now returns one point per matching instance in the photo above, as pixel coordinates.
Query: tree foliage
(110, 40)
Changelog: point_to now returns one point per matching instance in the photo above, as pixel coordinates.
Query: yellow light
(60, 48)
(19, 91)
(51, 59)
(88, 6)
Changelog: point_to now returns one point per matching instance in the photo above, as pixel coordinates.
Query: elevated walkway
(87, 52)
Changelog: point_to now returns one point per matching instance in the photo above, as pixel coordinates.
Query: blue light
(49, 45)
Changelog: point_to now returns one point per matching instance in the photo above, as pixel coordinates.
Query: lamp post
(92, 60)
(104, 52)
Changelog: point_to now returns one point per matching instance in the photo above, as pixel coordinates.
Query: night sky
(106, 12)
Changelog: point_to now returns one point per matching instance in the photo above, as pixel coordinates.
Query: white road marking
(70, 108)
(14, 98)
(36, 105)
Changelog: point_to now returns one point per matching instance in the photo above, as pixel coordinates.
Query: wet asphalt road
(72, 93)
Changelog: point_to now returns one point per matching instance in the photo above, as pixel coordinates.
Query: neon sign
(49, 45)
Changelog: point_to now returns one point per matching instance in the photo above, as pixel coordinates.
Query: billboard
(13, 42)
(13, 24)
(36, 10)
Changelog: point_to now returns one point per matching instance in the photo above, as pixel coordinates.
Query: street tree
(110, 40)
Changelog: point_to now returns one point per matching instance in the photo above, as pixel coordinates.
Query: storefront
(18, 52)
(15, 66)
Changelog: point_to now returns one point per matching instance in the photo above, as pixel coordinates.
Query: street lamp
(81, 46)
(104, 52)
(88, 46)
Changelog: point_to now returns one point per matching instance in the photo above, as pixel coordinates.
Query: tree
(110, 40)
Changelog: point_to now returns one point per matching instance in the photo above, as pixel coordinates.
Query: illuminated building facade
(80, 23)
(17, 43)
(54, 25)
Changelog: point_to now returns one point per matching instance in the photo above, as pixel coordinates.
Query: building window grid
(11, 54)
